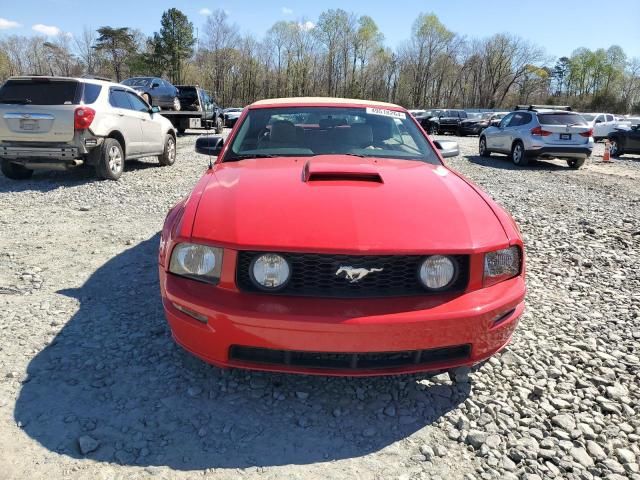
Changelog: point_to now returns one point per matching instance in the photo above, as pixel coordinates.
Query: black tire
(111, 160)
(14, 171)
(168, 157)
(459, 132)
(482, 148)
(614, 148)
(518, 154)
(219, 125)
(575, 163)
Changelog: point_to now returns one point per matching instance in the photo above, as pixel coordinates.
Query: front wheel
(575, 162)
(176, 104)
(111, 162)
(482, 148)
(614, 148)
(168, 156)
(15, 171)
(518, 156)
(219, 125)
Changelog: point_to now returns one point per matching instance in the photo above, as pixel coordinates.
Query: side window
(520, 118)
(609, 118)
(506, 120)
(90, 93)
(118, 99)
(463, 114)
(137, 103)
(599, 119)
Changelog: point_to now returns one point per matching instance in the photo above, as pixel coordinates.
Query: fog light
(270, 271)
(437, 272)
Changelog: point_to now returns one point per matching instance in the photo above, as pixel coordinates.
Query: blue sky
(560, 26)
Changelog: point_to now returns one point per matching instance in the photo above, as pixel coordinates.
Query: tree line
(341, 54)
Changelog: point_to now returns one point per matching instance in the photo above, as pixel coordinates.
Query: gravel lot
(92, 385)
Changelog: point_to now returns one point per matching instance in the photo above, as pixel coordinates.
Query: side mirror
(598, 121)
(155, 85)
(209, 145)
(448, 148)
(154, 109)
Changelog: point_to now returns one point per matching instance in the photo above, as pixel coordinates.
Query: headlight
(270, 271)
(437, 272)
(199, 262)
(501, 265)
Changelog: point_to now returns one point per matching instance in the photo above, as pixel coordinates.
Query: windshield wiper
(18, 101)
(248, 157)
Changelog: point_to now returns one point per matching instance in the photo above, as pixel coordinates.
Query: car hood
(412, 207)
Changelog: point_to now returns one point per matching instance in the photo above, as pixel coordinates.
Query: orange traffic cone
(607, 154)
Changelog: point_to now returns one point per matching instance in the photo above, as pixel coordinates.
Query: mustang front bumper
(340, 336)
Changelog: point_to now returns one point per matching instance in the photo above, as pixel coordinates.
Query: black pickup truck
(197, 110)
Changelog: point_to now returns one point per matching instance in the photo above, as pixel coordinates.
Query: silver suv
(60, 123)
(536, 131)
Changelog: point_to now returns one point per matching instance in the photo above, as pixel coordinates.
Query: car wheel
(147, 98)
(111, 163)
(219, 125)
(482, 148)
(518, 156)
(168, 157)
(176, 104)
(459, 132)
(575, 162)
(614, 148)
(14, 171)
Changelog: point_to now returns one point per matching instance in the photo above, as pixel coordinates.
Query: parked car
(231, 115)
(335, 273)
(60, 123)
(444, 121)
(416, 113)
(601, 123)
(474, 126)
(625, 139)
(155, 91)
(428, 118)
(539, 131)
(195, 99)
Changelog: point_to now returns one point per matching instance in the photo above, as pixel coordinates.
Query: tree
(174, 43)
(118, 45)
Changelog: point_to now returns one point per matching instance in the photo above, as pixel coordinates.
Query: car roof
(320, 101)
(54, 77)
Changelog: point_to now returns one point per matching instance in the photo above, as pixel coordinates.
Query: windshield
(311, 131)
(588, 117)
(137, 82)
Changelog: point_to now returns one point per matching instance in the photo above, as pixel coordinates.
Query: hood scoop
(331, 172)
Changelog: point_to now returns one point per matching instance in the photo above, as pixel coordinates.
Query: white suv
(537, 131)
(60, 123)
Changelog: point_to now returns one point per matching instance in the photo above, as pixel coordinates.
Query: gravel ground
(92, 386)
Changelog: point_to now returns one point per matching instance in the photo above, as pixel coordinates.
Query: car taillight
(538, 131)
(587, 134)
(82, 118)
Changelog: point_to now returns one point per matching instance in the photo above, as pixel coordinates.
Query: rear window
(561, 119)
(40, 92)
(588, 117)
(187, 92)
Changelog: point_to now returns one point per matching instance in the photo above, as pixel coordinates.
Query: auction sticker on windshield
(385, 113)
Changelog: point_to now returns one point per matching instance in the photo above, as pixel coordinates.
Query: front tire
(168, 156)
(482, 148)
(518, 155)
(219, 125)
(14, 171)
(176, 104)
(614, 148)
(111, 162)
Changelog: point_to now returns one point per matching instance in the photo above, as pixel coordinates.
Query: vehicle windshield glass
(310, 131)
(561, 119)
(137, 82)
(40, 91)
(187, 92)
(588, 117)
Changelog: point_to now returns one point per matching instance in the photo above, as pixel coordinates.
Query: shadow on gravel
(115, 375)
(503, 163)
(49, 180)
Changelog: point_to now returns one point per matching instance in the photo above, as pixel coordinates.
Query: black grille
(314, 275)
(349, 361)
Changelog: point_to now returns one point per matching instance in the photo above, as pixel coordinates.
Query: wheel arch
(116, 134)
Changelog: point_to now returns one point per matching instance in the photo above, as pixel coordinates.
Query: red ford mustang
(329, 238)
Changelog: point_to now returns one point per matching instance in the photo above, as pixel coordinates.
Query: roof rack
(96, 77)
(541, 107)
